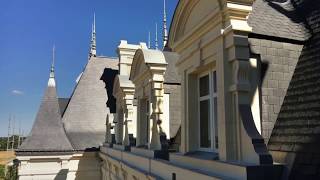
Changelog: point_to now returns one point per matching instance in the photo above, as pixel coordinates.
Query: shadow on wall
(62, 175)
(108, 78)
(89, 166)
(301, 7)
(296, 137)
(260, 72)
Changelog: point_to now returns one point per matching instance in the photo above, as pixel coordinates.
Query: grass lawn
(6, 156)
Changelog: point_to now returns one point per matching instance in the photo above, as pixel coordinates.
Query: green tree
(2, 172)
(12, 173)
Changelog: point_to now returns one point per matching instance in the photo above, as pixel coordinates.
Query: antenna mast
(13, 131)
(19, 134)
(9, 130)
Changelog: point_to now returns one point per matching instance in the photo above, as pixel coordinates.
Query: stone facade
(174, 106)
(217, 74)
(214, 94)
(82, 166)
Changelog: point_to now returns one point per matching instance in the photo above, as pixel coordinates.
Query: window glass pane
(204, 85)
(205, 130)
(215, 120)
(214, 79)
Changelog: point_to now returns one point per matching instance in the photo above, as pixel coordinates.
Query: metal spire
(94, 22)
(165, 31)
(93, 46)
(149, 40)
(52, 65)
(157, 36)
(51, 81)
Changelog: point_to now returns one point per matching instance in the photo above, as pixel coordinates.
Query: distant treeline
(4, 140)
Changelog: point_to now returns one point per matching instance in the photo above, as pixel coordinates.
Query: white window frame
(147, 116)
(209, 97)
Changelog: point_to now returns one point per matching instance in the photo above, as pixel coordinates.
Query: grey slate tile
(47, 133)
(277, 20)
(85, 116)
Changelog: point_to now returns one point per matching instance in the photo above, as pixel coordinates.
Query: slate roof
(277, 19)
(171, 75)
(63, 103)
(297, 129)
(84, 118)
(47, 133)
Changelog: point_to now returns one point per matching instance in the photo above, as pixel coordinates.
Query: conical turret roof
(48, 133)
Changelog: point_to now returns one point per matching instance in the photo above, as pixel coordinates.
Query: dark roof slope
(277, 19)
(84, 118)
(47, 133)
(63, 103)
(171, 75)
(297, 129)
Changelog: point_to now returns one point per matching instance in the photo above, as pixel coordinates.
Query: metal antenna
(13, 131)
(9, 130)
(22, 136)
(19, 134)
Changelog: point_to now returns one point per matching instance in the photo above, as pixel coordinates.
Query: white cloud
(17, 92)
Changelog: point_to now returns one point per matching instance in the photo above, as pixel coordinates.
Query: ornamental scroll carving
(241, 72)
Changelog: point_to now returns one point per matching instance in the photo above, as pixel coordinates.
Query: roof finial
(51, 81)
(94, 22)
(156, 36)
(149, 40)
(93, 46)
(52, 65)
(165, 31)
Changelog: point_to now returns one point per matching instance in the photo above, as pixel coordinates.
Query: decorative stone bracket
(256, 139)
(250, 144)
(241, 76)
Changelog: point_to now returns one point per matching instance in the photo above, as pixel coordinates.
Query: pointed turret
(165, 31)
(47, 134)
(93, 45)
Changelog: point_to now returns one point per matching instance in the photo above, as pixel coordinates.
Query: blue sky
(28, 30)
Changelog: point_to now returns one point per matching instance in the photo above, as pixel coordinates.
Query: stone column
(108, 130)
(128, 111)
(119, 134)
(157, 92)
(126, 141)
(139, 135)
